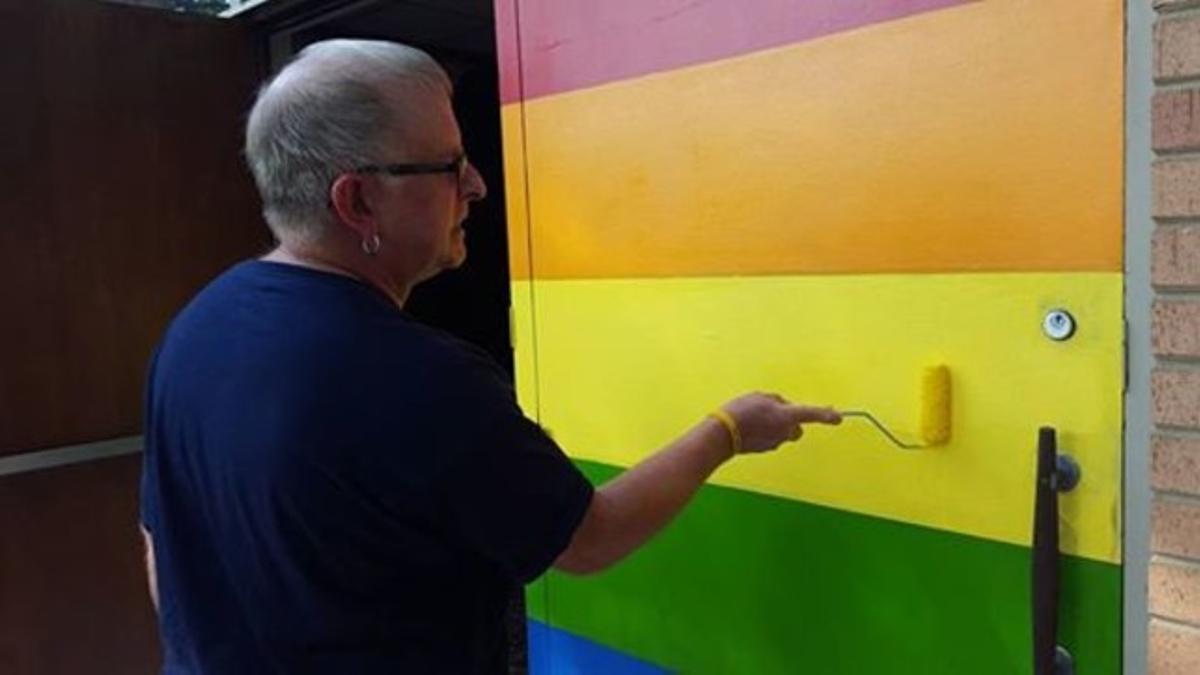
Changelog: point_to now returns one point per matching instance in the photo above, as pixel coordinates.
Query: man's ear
(348, 199)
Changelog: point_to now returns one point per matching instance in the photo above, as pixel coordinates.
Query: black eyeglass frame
(456, 166)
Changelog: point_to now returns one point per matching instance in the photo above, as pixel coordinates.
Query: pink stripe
(571, 44)
(506, 50)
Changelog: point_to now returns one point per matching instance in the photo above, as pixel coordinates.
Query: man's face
(421, 216)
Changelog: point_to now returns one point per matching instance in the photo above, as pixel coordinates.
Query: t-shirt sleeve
(511, 493)
(147, 496)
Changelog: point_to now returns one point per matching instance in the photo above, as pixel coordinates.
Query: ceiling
(455, 26)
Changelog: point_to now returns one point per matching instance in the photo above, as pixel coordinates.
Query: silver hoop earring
(371, 244)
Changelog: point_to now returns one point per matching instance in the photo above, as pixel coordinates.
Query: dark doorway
(471, 302)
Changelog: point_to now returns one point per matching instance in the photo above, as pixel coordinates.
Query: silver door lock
(1058, 325)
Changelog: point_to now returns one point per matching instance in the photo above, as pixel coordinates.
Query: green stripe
(747, 583)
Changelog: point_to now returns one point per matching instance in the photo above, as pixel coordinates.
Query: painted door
(821, 198)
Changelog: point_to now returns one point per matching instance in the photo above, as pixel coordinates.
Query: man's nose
(474, 187)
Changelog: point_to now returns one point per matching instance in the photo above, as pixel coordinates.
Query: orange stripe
(515, 199)
(987, 138)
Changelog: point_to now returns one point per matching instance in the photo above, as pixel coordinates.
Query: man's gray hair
(328, 111)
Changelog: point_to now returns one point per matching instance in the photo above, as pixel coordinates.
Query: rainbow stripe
(821, 198)
(576, 44)
(555, 650)
(654, 356)
(930, 148)
(744, 583)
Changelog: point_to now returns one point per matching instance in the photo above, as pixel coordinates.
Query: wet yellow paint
(626, 364)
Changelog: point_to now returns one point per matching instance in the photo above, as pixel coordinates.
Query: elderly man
(330, 487)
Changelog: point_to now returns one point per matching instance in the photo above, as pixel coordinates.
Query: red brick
(1177, 120)
(1175, 464)
(1177, 188)
(1176, 328)
(1177, 48)
(1176, 256)
(1175, 396)
(1175, 527)
(1174, 591)
(1174, 649)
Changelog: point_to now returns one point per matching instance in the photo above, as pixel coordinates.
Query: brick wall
(1174, 584)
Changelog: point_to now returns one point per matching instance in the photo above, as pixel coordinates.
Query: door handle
(1055, 473)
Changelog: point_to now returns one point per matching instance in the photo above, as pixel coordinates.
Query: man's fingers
(804, 414)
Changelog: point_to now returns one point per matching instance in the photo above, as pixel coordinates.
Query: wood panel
(73, 593)
(123, 193)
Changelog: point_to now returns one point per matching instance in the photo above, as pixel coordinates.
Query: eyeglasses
(457, 166)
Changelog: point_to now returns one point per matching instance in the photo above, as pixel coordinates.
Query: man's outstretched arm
(631, 508)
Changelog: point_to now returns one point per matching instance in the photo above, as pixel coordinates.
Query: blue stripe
(557, 652)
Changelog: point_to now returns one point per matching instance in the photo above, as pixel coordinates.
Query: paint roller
(934, 421)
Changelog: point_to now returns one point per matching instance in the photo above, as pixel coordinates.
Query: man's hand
(768, 420)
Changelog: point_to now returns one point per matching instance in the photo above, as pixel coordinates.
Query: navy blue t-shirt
(332, 487)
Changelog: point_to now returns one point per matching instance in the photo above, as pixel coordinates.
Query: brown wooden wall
(73, 594)
(122, 192)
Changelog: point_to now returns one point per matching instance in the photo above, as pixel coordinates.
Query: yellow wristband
(727, 421)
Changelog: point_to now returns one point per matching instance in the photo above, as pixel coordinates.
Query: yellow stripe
(626, 365)
(983, 137)
(521, 314)
(521, 327)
